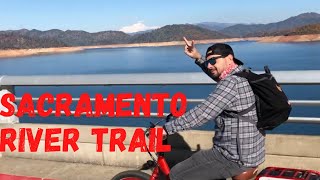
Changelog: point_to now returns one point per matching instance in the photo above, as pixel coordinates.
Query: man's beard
(215, 77)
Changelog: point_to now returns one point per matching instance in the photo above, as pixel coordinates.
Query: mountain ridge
(25, 39)
(242, 30)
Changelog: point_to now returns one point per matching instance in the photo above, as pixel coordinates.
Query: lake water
(278, 56)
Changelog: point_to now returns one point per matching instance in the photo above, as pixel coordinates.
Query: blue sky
(126, 15)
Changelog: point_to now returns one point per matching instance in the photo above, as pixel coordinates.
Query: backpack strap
(244, 73)
(267, 70)
(241, 113)
(239, 116)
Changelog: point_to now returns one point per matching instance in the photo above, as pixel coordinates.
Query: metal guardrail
(194, 78)
(311, 77)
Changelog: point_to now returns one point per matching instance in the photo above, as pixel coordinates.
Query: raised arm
(191, 51)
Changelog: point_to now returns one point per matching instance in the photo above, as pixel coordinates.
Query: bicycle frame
(161, 164)
(163, 167)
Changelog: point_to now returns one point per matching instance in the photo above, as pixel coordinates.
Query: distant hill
(34, 38)
(306, 23)
(241, 30)
(78, 38)
(140, 32)
(308, 29)
(82, 38)
(214, 26)
(16, 41)
(175, 33)
(56, 38)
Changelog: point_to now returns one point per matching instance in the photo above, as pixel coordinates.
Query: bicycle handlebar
(146, 133)
(153, 125)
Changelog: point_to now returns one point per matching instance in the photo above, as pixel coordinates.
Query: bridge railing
(309, 77)
(296, 151)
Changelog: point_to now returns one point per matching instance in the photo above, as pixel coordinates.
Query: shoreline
(57, 50)
(293, 38)
(11, 53)
(14, 53)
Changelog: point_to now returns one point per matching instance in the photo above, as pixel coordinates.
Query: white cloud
(139, 26)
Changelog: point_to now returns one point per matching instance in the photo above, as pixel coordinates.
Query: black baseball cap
(223, 50)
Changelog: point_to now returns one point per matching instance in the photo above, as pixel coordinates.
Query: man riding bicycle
(238, 145)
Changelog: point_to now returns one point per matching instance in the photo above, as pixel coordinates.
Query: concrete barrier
(294, 151)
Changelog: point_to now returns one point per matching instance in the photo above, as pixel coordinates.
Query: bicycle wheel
(132, 175)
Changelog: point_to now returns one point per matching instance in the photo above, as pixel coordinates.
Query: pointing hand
(191, 50)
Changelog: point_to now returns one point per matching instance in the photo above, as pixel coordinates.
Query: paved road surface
(54, 170)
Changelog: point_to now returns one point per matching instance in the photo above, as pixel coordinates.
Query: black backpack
(273, 107)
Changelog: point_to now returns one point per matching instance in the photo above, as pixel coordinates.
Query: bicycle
(159, 165)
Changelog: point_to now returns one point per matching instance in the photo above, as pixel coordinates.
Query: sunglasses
(212, 61)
